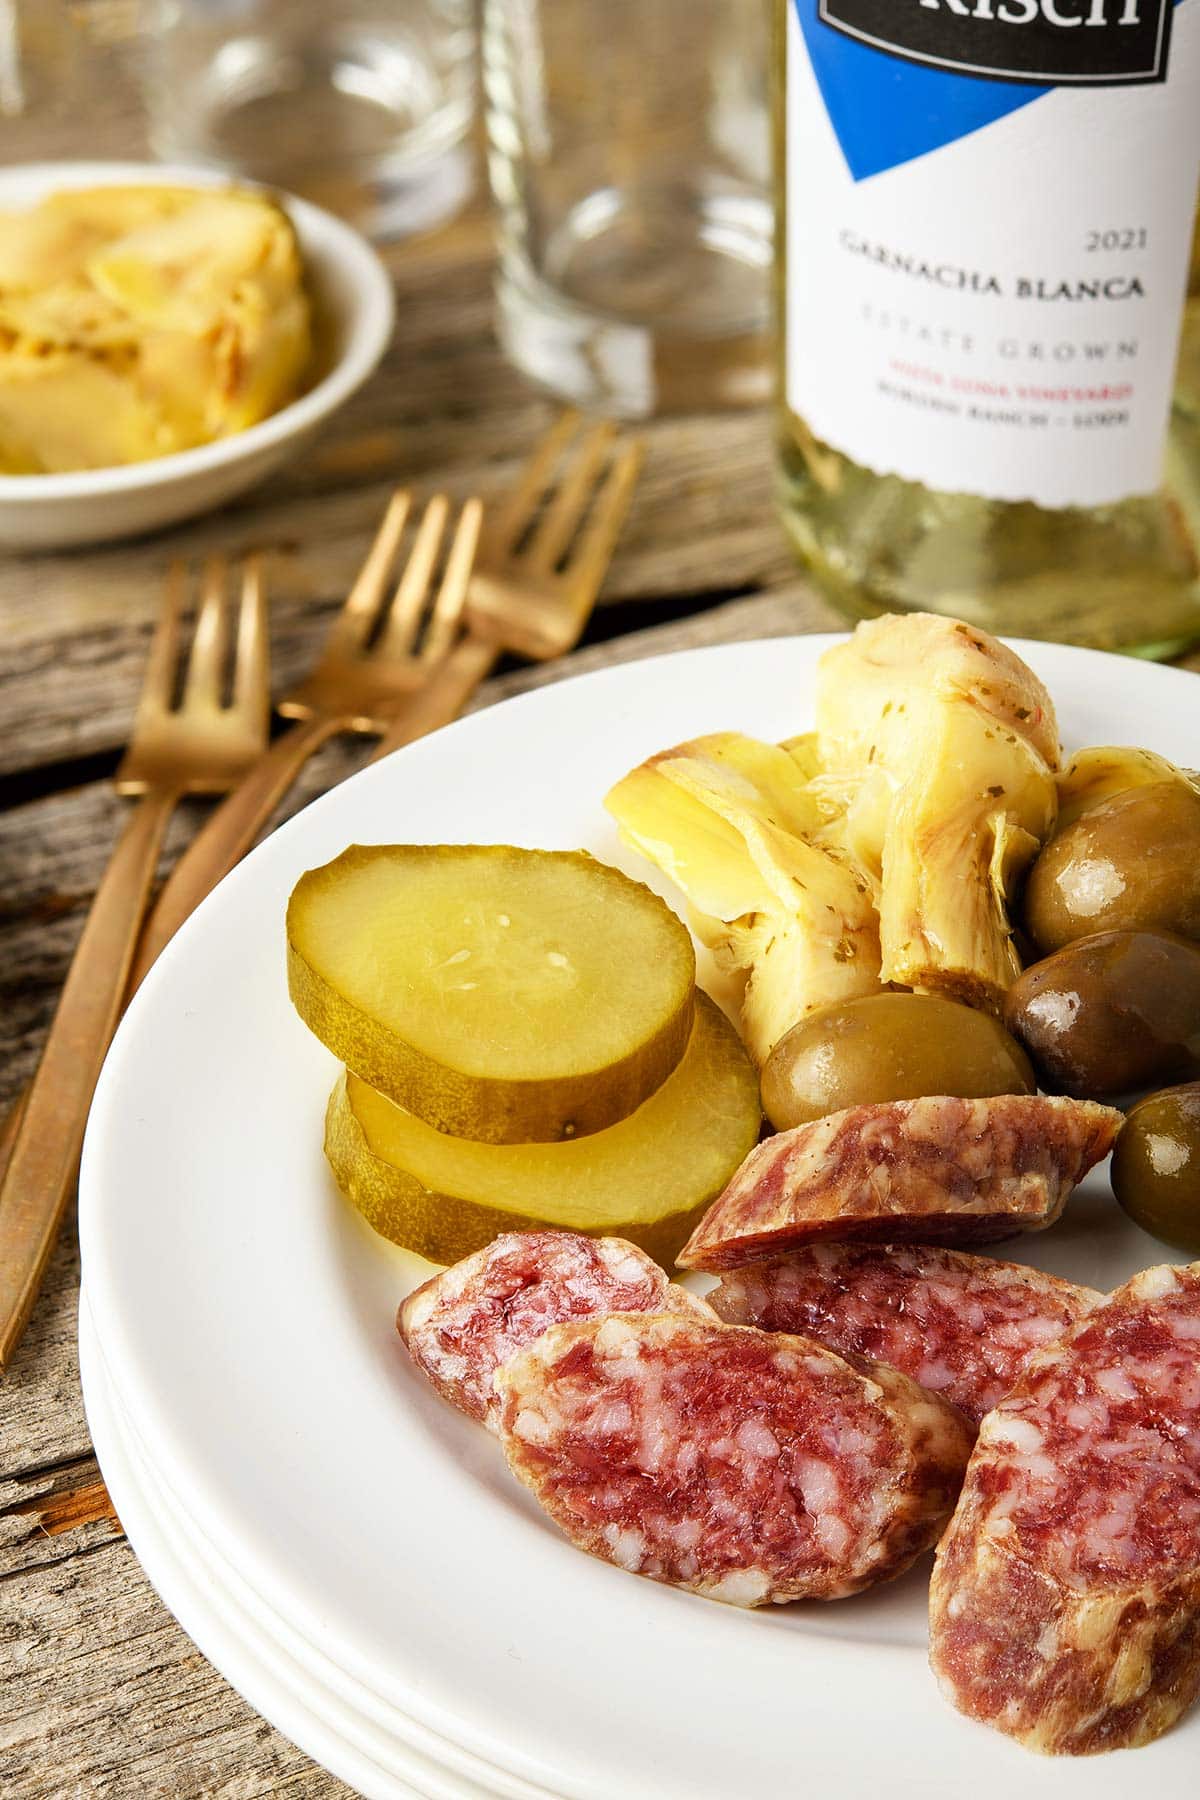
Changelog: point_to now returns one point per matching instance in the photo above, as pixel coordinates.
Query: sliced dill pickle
(511, 996)
(648, 1179)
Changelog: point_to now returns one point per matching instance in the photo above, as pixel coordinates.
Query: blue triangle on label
(886, 111)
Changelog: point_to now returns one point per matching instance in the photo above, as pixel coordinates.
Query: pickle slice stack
(524, 1045)
(644, 1178)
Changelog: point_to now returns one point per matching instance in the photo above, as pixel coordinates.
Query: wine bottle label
(989, 209)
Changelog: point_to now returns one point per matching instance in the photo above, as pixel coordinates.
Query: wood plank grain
(38, 1511)
(69, 1508)
(75, 628)
(114, 1700)
(42, 1424)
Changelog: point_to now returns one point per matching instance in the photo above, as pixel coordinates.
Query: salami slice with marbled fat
(460, 1326)
(1065, 1605)
(747, 1466)
(963, 1326)
(932, 1171)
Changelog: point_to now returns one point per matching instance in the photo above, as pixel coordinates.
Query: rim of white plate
(197, 1590)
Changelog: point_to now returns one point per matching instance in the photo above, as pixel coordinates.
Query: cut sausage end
(962, 1326)
(1065, 1603)
(461, 1325)
(745, 1466)
(939, 1170)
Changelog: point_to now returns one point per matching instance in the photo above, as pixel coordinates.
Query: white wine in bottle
(989, 311)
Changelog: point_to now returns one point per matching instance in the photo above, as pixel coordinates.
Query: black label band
(1084, 43)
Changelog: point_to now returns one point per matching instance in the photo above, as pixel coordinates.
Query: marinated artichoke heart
(135, 322)
(942, 745)
(760, 855)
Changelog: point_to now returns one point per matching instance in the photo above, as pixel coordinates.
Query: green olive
(1156, 1166)
(1111, 1014)
(889, 1047)
(1131, 862)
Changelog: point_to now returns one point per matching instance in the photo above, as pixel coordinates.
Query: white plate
(246, 1315)
(197, 1593)
(88, 506)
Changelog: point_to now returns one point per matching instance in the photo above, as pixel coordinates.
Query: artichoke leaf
(877, 690)
(180, 273)
(694, 811)
(772, 890)
(945, 747)
(805, 752)
(700, 851)
(797, 966)
(736, 771)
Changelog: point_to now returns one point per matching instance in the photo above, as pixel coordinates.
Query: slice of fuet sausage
(933, 1171)
(963, 1326)
(1065, 1605)
(747, 1466)
(460, 1326)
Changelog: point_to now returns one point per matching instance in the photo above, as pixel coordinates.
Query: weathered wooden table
(103, 1693)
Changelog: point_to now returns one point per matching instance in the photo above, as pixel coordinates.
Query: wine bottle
(988, 294)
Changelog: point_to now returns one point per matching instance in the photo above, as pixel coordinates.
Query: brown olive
(889, 1047)
(1156, 1166)
(1131, 862)
(1110, 1014)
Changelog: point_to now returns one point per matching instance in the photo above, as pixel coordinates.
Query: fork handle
(256, 799)
(45, 1151)
(228, 833)
(8, 1131)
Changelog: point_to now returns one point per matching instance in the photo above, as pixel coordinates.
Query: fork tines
(553, 536)
(417, 619)
(553, 507)
(204, 677)
(211, 699)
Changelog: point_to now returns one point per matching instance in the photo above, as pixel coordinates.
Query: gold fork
(200, 746)
(536, 577)
(376, 656)
(526, 583)
(543, 554)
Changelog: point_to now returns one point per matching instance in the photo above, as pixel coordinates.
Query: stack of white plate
(349, 1552)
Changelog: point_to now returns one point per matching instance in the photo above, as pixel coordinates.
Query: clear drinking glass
(628, 149)
(361, 105)
(38, 56)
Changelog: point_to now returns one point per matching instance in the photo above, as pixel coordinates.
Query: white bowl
(354, 294)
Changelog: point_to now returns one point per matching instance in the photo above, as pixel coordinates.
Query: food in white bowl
(223, 378)
(138, 321)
